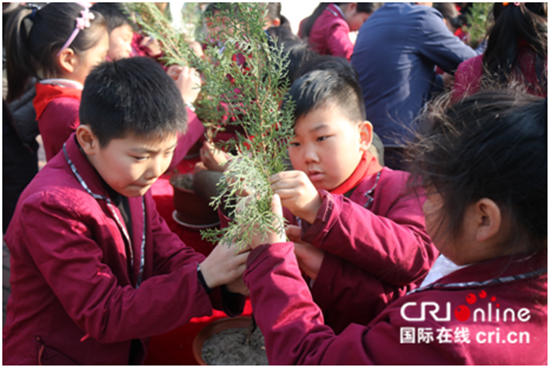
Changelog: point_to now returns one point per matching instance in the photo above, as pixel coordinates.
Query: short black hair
(328, 62)
(321, 87)
(112, 13)
(490, 145)
(131, 96)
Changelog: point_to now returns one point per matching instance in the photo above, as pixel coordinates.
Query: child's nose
(310, 155)
(157, 168)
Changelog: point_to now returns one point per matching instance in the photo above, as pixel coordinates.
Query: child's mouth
(315, 175)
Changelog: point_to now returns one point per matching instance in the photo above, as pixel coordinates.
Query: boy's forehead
(153, 143)
(327, 114)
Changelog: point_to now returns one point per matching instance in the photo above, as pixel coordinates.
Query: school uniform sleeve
(66, 255)
(346, 294)
(195, 130)
(170, 255)
(437, 43)
(467, 78)
(292, 323)
(391, 244)
(338, 41)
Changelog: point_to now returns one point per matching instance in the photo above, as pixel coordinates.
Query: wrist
(205, 278)
(310, 212)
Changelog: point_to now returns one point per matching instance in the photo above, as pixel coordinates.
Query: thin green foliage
(478, 20)
(243, 83)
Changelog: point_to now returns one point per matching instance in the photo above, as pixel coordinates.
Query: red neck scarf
(367, 166)
(46, 93)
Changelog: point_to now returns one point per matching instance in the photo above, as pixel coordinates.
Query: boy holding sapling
(356, 222)
(95, 271)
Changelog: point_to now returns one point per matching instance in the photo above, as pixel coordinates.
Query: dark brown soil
(228, 348)
(184, 181)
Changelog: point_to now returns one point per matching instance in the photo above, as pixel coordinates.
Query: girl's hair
(490, 145)
(361, 8)
(513, 24)
(34, 36)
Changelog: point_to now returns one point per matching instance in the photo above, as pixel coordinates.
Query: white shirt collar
(441, 268)
(67, 83)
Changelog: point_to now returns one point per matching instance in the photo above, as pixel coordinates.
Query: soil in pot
(229, 348)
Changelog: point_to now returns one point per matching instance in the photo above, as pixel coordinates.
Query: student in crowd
(395, 56)
(350, 212)
(275, 18)
(516, 53)
(62, 42)
(327, 29)
(65, 54)
(485, 300)
(120, 30)
(340, 65)
(95, 271)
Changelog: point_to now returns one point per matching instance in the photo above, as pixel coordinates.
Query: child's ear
(365, 135)
(87, 140)
(67, 61)
(488, 219)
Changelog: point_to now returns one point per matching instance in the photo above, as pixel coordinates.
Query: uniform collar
(498, 270)
(335, 9)
(86, 174)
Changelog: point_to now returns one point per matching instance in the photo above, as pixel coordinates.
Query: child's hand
(152, 44)
(293, 233)
(238, 286)
(187, 80)
(271, 237)
(309, 258)
(199, 166)
(223, 265)
(212, 157)
(197, 49)
(297, 194)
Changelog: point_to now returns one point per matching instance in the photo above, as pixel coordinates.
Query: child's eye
(140, 158)
(294, 144)
(322, 138)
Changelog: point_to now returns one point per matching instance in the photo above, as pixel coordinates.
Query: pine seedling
(243, 81)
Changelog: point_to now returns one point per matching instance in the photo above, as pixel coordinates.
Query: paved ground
(6, 288)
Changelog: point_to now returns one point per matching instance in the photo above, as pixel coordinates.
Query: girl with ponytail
(58, 45)
(515, 56)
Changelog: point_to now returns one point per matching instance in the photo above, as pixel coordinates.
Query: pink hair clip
(81, 23)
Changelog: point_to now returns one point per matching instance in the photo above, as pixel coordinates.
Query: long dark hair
(526, 23)
(490, 145)
(34, 36)
(361, 8)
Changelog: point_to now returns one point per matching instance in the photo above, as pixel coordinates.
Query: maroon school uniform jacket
(452, 321)
(329, 34)
(195, 130)
(377, 236)
(81, 293)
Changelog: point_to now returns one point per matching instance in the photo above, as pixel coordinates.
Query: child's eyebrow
(318, 127)
(150, 151)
